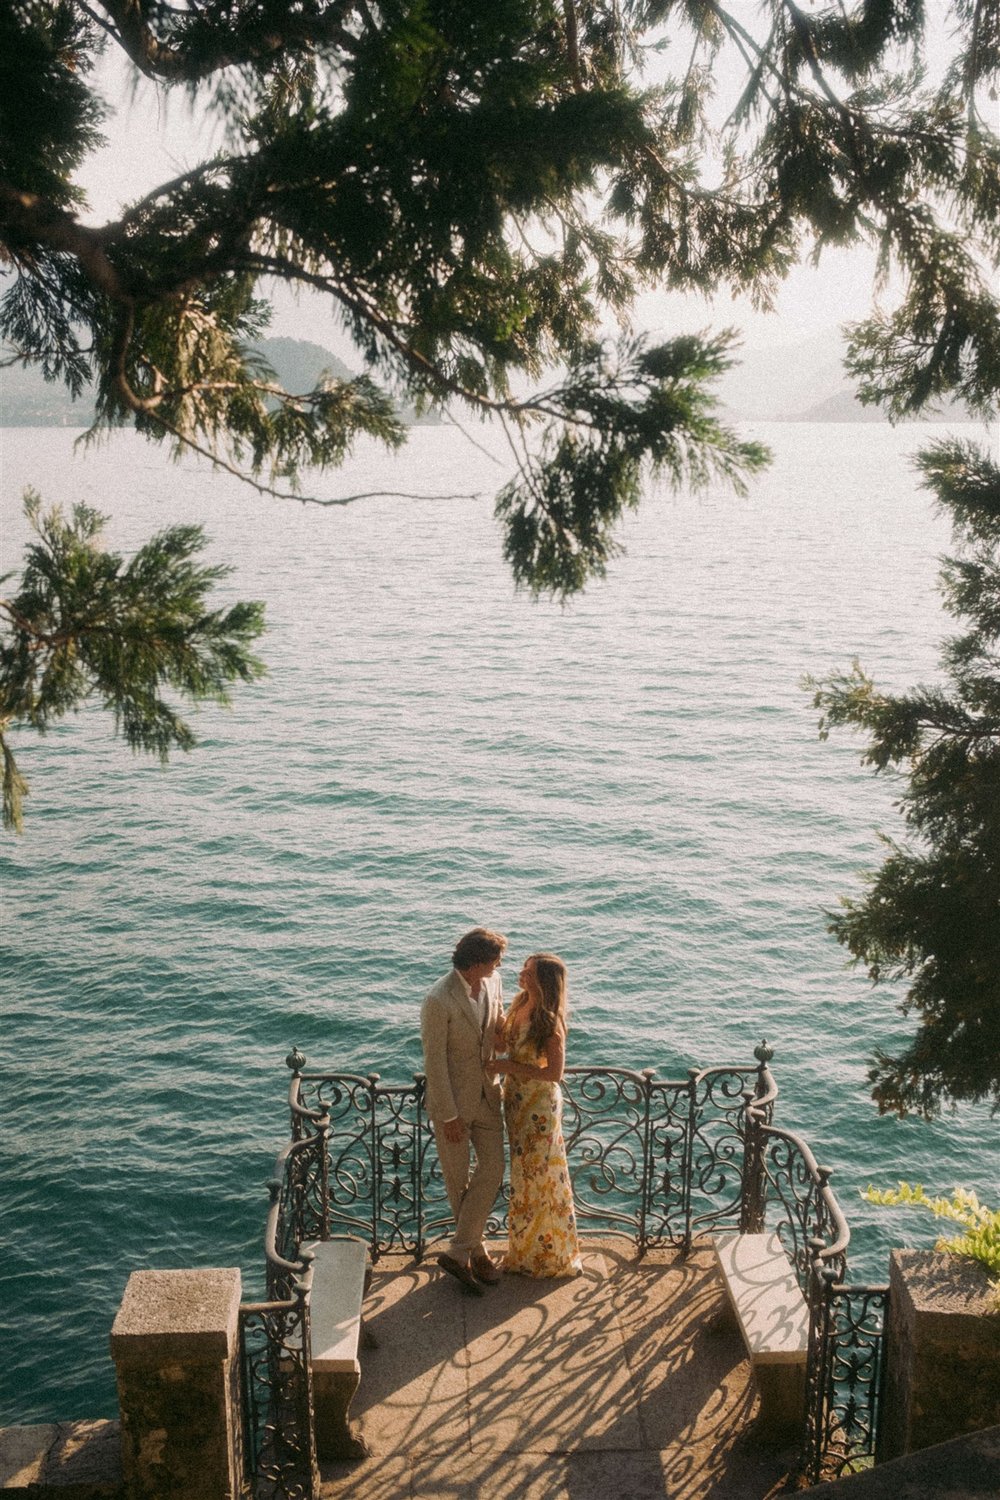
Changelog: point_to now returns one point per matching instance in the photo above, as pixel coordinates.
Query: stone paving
(628, 1383)
(625, 1383)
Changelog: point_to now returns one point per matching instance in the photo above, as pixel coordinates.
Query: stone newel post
(943, 1353)
(175, 1344)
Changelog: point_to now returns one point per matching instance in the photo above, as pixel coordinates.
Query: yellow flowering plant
(980, 1226)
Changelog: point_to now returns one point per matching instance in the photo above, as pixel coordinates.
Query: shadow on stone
(623, 1382)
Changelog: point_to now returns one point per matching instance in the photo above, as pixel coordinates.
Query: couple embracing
(469, 1046)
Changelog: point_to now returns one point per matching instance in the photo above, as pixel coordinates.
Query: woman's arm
(550, 1071)
(555, 1057)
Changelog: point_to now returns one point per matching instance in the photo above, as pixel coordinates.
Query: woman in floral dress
(542, 1222)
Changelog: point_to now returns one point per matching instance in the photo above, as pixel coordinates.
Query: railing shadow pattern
(657, 1161)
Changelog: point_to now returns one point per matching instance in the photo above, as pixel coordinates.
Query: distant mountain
(769, 384)
(804, 381)
(28, 400)
(299, 364)
(844, 406)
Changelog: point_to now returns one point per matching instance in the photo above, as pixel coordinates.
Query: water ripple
(634, 780)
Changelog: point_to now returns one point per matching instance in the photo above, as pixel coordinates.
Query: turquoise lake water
(635, 781)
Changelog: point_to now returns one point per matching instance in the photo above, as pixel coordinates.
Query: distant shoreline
(818, 394)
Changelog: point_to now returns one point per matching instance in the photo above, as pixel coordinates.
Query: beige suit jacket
(455, 1048)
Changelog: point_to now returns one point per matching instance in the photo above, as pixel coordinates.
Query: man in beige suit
(457, 1025)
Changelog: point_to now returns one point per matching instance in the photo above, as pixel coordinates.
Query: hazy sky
(151, 138)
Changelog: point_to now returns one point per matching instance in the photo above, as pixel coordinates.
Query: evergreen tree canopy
(481, 190)
(85, 626)
(931, 914)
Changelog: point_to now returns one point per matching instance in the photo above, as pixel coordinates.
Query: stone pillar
(175, 1344)
(943, 1353)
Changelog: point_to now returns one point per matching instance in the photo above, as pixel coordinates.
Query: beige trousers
(472, 1188)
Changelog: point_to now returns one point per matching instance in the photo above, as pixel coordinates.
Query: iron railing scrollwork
(657, 1161)
(383, 1181)
(279, 1439)
(796, 1200)
(665, 1211)
(278, 1433)
(791, 1195)
(844, 1375)
(299, 1195)
(606, 1124)
(649, 1159)
(721, 1165)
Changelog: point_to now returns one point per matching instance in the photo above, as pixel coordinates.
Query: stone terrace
(626, 1382)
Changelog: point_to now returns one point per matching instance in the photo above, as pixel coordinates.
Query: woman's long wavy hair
(550, 972)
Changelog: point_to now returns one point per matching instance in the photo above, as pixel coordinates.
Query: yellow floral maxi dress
(542, 1221)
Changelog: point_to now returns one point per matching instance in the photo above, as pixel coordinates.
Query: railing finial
(762, 1052)
(295, 1060)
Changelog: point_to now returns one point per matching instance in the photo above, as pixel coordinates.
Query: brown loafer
(461, 1273)
(484, 1268)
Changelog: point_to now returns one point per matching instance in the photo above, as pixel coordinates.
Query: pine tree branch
(28, 221)
(233, 48)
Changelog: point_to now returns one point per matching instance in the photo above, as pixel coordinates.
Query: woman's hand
(517, 1070)
(549, 1071)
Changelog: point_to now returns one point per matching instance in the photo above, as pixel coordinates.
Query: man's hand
(454, 1131)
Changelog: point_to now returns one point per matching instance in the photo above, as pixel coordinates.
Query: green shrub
(980, 1236)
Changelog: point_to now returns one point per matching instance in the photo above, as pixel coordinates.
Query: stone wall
(175, 1343)
(943, 1353)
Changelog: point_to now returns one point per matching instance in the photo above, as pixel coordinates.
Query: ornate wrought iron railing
(275, 1336)
(787, 1191)
(657, 1161)
(298, 1211)
(844, 1376)
(279, 1438)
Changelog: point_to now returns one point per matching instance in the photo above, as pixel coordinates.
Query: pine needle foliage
(85, 626)
(480, 192)
(930, 917)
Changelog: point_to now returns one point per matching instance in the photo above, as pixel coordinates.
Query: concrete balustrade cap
(185, 1316)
